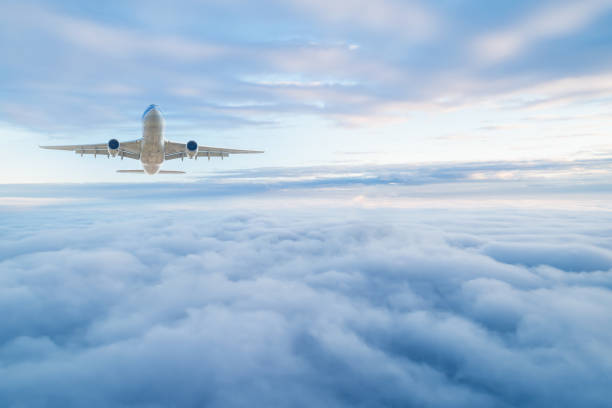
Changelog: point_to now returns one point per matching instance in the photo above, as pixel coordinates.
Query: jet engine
(113, 147)
(191, 149)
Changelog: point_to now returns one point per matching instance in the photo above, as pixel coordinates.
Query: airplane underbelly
(152, 154)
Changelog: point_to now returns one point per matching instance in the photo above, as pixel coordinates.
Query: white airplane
(152, 149)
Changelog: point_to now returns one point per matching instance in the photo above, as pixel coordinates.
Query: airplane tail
(159, 172)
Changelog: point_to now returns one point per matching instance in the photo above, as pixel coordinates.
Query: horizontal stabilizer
(159, 172)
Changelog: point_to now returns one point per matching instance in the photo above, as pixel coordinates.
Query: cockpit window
(149, 109)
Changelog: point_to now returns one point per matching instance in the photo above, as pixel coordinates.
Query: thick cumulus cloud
(125, 306)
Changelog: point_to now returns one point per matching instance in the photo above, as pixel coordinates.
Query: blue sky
(311, 82)
(429, 226)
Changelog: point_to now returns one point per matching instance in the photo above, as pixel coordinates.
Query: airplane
(152, 149)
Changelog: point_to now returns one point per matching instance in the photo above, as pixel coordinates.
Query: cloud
(569, 184)
(357, 64)
(21, 202)
(114, 302)
(558, 176)
(554, 20)
(110, 40)
(557, 92)
(411, 19)
(571, 258)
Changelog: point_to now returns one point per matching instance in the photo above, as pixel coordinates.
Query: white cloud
(565, 90)
(556, 20)
(118, 303)
(20, 202)
(109, 40)
(409, 19)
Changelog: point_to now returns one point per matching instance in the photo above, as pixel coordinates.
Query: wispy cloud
(108, 40)
(579, 184)
(557, 19)
(411, 19)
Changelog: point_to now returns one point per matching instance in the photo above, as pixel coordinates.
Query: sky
(309, 82)
(429, 226)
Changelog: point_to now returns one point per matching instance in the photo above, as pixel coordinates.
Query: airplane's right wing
(129, 149)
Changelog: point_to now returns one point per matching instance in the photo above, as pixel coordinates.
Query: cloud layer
(230, 64)
(132, 305)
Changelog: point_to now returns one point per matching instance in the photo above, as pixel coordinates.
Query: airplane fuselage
(153, 142)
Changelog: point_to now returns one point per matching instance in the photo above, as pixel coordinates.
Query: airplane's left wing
(191, 149)
(130, 149)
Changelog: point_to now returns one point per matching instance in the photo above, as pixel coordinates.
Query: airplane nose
(151, 110)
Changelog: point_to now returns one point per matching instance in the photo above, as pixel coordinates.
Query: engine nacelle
(113, 147)
(191, 149)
